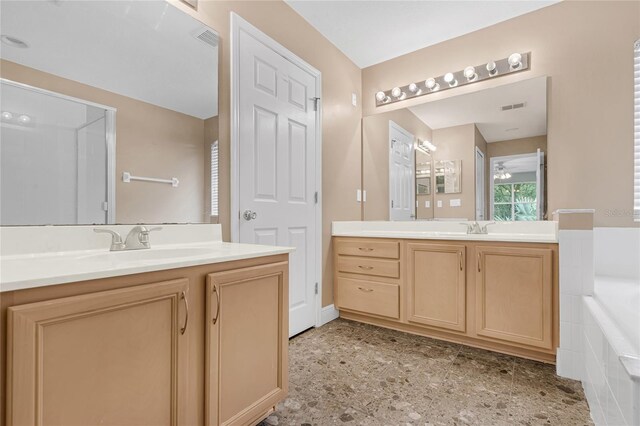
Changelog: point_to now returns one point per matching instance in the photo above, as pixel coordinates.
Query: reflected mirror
(477, 156)
(109, 114)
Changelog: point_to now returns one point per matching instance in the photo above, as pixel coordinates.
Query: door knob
(249, 215)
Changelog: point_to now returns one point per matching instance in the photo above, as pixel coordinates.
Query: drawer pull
(368, 290)
(365, 249)
(460, 256)
(478, 262)
(366, 268)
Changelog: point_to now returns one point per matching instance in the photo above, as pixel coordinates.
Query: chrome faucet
(475, 228)
(138, 238)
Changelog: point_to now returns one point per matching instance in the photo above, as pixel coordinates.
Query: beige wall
(375, 157)
(150, 141)
(341, 175)
(457, 143)
(578, 45)
(517, 146)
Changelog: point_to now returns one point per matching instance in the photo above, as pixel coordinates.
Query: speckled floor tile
(348, 373)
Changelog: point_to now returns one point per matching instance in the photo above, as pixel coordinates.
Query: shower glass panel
(55, 157)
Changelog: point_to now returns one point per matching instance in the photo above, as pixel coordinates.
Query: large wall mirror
(109, 114)
(477, 156)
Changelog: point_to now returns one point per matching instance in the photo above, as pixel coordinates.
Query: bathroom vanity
(191, 331)
(497, 291)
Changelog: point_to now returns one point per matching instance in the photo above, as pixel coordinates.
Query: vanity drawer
(369, 297)
(384, 249)
(369, 266)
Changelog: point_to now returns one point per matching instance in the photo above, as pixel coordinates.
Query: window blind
(636, 130)
(214, 179)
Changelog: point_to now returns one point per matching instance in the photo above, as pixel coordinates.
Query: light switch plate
(455, 202)
(364, 195)
(439, 203)
(354, 99)
(359, 196)
(427, 204)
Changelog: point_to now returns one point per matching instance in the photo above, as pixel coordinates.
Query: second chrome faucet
(138, 238)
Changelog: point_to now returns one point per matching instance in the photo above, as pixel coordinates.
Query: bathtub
(611, 318)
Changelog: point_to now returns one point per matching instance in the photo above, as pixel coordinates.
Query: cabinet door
(247, 343)
(514, 295)
(436, 285)
(110, 358)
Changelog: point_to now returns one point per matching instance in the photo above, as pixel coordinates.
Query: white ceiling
(370, 32)
(484, 108)
(521, 164)
(145, 50)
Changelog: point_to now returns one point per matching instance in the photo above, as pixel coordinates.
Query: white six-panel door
(402, 195)
(277, 166)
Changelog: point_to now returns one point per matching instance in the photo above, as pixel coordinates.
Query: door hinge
(316, 102)
(391, 203)
(315, 197)
(105, 206)
(316, 288)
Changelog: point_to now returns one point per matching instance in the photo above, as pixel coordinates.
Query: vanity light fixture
(450, 79)
(426, 146)
(492, 68)
(470, 73)
(516, 62)
(432, 84)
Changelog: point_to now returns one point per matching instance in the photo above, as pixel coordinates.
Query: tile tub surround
(356, 374)
(575, 240)
(534, 231)
(38, 256)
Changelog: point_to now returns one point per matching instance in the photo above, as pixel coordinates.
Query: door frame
(492, 166)
(239, 24)
(399, 128)
(484, 184)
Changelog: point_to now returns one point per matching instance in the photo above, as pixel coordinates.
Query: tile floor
(348, 373)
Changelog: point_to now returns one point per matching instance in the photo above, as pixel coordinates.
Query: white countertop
(529, 232)
(22, 269)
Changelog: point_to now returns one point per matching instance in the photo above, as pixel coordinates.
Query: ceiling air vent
(513, 106)
(207, 36)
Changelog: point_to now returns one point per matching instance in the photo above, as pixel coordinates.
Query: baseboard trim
(328, 314)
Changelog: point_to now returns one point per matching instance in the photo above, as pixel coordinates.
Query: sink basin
(149, 254)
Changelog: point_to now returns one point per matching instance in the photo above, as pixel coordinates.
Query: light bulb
(492, 68)
(396, 92)
(7, 115)
(24, 119)
(380, 96)
(431, 84)
(450, 79)
(515, 61)
(470, 73)
(387, 99)
(413, 88)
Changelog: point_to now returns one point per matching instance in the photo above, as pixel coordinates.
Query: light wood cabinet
(514, 290)
(247, 337)
(495, 295)
(369, 296)
(110, 358)
(436, 285)
(112, 351)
